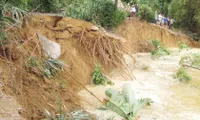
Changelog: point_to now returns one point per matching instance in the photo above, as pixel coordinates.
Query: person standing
(171, 22)
(165, 21)
(133, 10)
(160, 19)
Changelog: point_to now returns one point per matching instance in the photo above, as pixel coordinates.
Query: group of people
(162, 20)
(133, 10)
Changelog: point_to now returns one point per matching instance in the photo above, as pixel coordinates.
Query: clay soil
(140, 33)
(81, 49)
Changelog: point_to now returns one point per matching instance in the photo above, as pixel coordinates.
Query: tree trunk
(116, 4)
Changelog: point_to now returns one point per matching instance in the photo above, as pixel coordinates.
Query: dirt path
(172, 100)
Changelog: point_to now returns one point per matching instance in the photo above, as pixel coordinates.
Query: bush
(98, 77)
(51, 6)
(119, 17)
(159, 50)
(182, 75)
(183, 46)
(97, 11)
(146, 13)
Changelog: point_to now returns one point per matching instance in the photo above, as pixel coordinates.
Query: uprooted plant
(125, 103)
(98, 77)
(49, 68)
(182, 75)
(159, 50)
(192, 60)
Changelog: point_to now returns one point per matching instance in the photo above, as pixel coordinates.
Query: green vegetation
(196, 60)
(125, 103)
(145, 67)
(191, 59)
(32, 62)
(97, 11)
(75, 115)
(102, 12)
(98, 77)
(51, 67)
(146, 13)
(159, 49)
(186, 13)
(182, 75)
(183, 46)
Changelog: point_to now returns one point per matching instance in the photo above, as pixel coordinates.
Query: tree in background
(186, 13)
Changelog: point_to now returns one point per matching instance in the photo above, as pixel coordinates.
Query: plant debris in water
(125, 103)
(159, 50)
(191, 60)
(182, 75)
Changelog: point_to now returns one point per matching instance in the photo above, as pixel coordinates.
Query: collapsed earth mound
(139, 34)
(82, 47)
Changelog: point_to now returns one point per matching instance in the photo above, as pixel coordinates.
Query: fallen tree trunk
(186, 65)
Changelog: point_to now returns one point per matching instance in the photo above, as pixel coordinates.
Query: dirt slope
(139, 34)
(81, 49)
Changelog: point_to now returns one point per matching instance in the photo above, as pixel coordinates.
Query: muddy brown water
(173, 100)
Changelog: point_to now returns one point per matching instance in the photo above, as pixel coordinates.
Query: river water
(173, 100)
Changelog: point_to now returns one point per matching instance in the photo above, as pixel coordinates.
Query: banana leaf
(125, 104)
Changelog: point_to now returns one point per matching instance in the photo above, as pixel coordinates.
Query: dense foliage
(146, 13)
(97, 11)
(100, 12)
(186, 13)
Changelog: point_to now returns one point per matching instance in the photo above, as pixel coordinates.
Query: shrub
(51, 6)
(119, 17)
(159, 50)
(146, 13)
(97, 11)
(182, 75)
(191, 59)
(51, 67)
(196, 60)
(32, 62)
(98, 77)
(183, 46)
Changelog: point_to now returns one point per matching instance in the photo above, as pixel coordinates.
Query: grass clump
(98, 77)
(51, 67)
(159, 50)
(145, 67)
(75, 115)
(182, 75)
(32, 62)
(183, 46)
